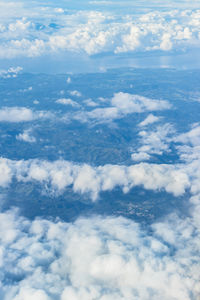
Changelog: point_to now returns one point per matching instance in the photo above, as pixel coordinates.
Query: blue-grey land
(100, 150)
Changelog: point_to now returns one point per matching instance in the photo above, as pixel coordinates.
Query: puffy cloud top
(95, 31)
(86, 179)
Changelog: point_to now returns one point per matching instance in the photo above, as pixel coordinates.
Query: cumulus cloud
(67, 101)
(16, 114)
(159, 139)
(75, 93)
(150, 119)
(26, 136)
(90, 102)
(55, 177)
(140, 156)
(128, 103)
(191, 137)
(99, 258)
(156, 141)
(120, 105)
(94, 31)
(11, 72)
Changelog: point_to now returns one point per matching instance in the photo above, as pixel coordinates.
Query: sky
(100, 256)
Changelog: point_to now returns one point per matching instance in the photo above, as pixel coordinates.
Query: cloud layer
(94, 31)
(99, 259)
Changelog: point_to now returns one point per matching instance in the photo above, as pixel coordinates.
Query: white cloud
(150, 119)
(36, 102)
(19, 26)
(156, 141)
(128, 103)
(11, 72)
(68, 101)
(103, 114)
(90, 102)
(75, 93)
(59, 10)
(94, 32)
(26, 136)
(192, 137)
(16, 114)
(99, 258)
(26, 293)
(166, 43)
(68, 80)
(131, 41)
(120, 105)
(6, 173)
(28, 89)
(88, 180)
(140, 156)
(21, 114)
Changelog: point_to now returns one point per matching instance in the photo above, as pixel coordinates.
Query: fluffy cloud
(21, 114)
(94, 32)
(192, 137)
(120, 105)
(156, 141)
(140, 156)
(90, 102)
(128, 103)
(160, 138)
(99, 258)
(68, 101)
(85, 179)
(75, 93)
(26, 136)
(16, 114)
(150, 119)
